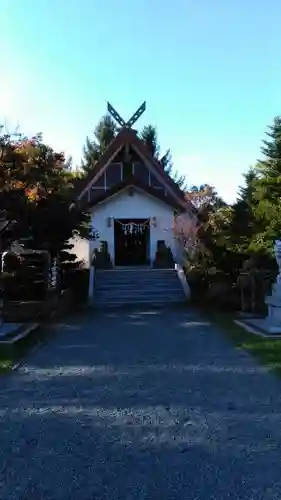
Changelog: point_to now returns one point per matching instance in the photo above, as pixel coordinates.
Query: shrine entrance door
(131, 238)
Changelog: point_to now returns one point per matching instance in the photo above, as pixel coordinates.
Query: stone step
(141, 293)
(142, 289)
(172, 279)
(139, 286)
(138, 303)
(131, 274)
(124, 287)
(152, 303)
(148, 296)
(158, 282)
(144, 275)
(140, 269)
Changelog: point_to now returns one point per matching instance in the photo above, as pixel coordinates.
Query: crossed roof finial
(133, 118)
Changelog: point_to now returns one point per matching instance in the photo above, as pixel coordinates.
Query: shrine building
(132, 199)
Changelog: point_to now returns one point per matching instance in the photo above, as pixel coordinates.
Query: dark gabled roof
(135, 183)
(129, 136)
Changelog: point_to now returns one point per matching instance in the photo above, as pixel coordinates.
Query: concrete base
(247, 315)
(14, 335)
(8, 329)
(271, 328)
(271, 325)
(261, 327)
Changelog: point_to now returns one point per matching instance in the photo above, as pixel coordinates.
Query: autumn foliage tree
(190, 227)
(214, 251)
(36, 192)
(185, 230)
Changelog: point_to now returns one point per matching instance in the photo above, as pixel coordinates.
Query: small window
(127, 170)
(141, 172)
(113, 174)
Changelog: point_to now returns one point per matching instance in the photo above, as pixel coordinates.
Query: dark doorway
(131, 237)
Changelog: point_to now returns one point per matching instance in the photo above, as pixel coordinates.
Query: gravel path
(150, 405)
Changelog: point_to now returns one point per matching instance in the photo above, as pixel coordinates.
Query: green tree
(247, 191)
(96, 146)
(267, 207)
(244, 221)
(271, 164)
(150, 137)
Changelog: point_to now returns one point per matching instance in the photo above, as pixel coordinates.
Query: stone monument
(277, 252)
(272, 324)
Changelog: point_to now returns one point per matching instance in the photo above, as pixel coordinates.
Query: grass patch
(7, 358)
(5, 365)
(267, 351)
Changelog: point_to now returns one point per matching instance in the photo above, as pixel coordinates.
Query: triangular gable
(111, 152)
(162, 175)
(143, 150)
(128, 137)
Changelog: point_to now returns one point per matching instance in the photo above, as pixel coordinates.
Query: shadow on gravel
(140, 405)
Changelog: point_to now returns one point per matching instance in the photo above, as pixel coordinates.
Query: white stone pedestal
(272, 323)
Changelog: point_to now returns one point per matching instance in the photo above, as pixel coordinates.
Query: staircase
(138, 286)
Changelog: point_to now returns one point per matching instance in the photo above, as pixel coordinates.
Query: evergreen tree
(272, 149)
(267, 208)
(95, 147)
(244, 221)
(149, 136)
(246, 193)
(269, 169)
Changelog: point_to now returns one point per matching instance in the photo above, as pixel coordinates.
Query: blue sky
(209, 70)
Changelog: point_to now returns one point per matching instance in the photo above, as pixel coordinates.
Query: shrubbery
(234, 264)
